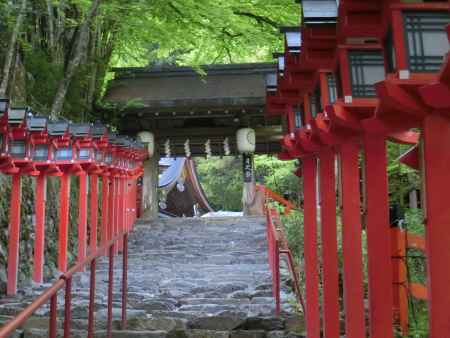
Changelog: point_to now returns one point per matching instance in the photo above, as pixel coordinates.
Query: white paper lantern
(246, 140)
(149, 140)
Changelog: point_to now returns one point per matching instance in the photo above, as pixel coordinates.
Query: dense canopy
(55, 55)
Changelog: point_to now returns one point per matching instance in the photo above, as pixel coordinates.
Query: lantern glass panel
(293, 40)
(84, 154)
(40, 152)
(64, 154)
(298, 114)
(426, 39)
(271, 82)
(366, 69)
(315, 102)
(281, 65)
(332, 88)
(3, 106)
(18, 149)
(109, 158)
(99, 156)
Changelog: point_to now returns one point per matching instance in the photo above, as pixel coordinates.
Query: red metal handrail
(65, 280)
(270, 194)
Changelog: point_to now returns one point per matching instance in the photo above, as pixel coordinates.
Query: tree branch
(262, 20)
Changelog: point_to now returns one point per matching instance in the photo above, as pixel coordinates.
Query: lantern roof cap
(80, 129)
(98, 130)
(17, 115)
(57, 128)
(320, 11)
(37, 123)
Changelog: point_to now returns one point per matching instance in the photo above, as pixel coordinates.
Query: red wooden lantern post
(39, 143)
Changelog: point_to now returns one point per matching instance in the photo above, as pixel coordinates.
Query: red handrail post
(39, 244)
(351, 243)
(52, 330)
(67, 308)
(124, 281)
(110, 291)
(91, 322)
(14, 234)
(435, 166)
(310, 248)
(93, 217)
(378, 238)
(82, 217)
(329, 245)
(63, 228)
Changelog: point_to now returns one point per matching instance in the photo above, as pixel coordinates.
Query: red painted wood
(378, 237)
(329, 245)
(82, 218)
(14, 234)
(399, 40)
(344, 72)
(112, 192)
(105, 210)
(39, 243)
(93, 217)
(310, 249)
(351, 243)
(435, 166)
(63, 227)
(290, 119)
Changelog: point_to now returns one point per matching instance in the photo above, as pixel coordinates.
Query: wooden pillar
(82, 217)
(39, 244)
(378, 237)
(329, 245)
(93, 217)
(14, 234)
(310, 248)
(351, 243)
(63, 227)
(435, 168)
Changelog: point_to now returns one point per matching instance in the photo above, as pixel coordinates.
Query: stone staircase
(196, 278)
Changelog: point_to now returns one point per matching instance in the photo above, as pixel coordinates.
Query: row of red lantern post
(35, 146)
(353, 76)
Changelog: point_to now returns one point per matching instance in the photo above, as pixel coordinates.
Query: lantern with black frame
(4, 156)
(18, 145)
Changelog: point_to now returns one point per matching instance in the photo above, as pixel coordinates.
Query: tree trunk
(10, 55)
(77, 55)
(51, 27)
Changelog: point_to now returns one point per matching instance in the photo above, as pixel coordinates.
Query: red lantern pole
(39, 244)
(14, 234)
(112, 192)
(82, 217)
(435, 166)
(93, 218)
(378, 237)
(63, 228)
(329, 245)
(105, 209)
(351, 243)
(310, 248)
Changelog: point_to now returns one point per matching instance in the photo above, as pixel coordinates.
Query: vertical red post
(68, 308)
(93, 217)
(124, 281)
(329, 245)
(63, 228)
(121, 211)
(39, 244)
(91, 319)
(105, 210)
(53, 322)
(378, 238)
(310, 248)
(110, 291)
(112, 198)
(351, 243)
(82, 217)
(435, 166)
(14, 234)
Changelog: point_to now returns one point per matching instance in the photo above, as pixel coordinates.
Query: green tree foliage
(64, 49)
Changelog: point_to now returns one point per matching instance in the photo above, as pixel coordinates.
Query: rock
(157, 324)
(248, 334)
(294, 323)
(132, 334)
(266, 324)
(117, 313)
(224, 322)
(207, 334)
(276, 334)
